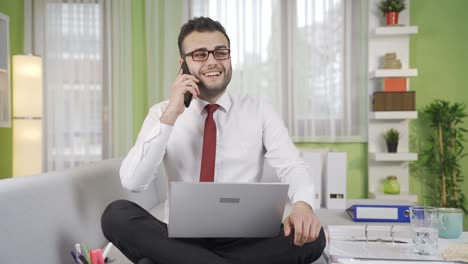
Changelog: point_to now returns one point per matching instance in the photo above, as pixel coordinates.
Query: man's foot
(145, 261)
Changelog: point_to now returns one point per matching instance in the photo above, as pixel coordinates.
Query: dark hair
(200, 24)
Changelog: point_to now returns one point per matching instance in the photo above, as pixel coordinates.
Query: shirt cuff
(161, 130)
(304, 196)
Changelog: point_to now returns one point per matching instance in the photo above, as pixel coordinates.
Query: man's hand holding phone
(184, 83)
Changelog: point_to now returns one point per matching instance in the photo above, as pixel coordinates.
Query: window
(74, 81)
(306, 57)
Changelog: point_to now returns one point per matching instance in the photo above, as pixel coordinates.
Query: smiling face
(214, 75)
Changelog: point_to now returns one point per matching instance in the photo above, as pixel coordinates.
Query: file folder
(379, 213)
(335, 181)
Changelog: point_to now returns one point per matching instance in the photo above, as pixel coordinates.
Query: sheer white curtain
(69, 37)
(255, 29)
(306, 56)
(118, 66)
(163, 20)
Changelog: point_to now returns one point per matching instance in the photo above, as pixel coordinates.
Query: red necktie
(209, 146)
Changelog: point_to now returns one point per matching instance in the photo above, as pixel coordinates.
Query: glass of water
(424, 229)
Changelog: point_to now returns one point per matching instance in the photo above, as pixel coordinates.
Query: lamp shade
(27, 86)
(27, 147)
(27, 115)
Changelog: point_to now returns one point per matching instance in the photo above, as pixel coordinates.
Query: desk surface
(340, 217)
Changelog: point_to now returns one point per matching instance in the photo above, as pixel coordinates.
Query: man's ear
(180, 61)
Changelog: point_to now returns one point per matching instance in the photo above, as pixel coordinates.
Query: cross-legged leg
(276, 250)
(138, 234)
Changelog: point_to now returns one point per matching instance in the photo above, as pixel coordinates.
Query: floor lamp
(27, 115)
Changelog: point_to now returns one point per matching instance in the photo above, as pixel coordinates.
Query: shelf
(413, 198)
(394, 73)
(395, 30)
(396, 115)
(399, 156)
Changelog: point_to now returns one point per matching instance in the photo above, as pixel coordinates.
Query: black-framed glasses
(202, 55)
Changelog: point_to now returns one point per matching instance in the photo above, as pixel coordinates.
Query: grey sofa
(43, 216)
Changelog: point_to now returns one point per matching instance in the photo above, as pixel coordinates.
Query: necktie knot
(210, 108)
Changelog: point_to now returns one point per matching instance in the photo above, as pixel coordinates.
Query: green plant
(392, 135)
(392, 6)
(441, 155)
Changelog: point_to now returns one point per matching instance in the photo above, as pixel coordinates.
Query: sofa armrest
(43, 216)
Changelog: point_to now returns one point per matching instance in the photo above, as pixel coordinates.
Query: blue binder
(379, 213)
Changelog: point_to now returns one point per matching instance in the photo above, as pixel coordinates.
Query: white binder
(335, 181)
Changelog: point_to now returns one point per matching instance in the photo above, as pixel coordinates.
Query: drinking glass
(424, 229)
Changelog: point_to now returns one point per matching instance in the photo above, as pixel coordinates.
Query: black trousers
(138, 234)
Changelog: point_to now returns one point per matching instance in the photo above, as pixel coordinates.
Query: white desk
(340, 217)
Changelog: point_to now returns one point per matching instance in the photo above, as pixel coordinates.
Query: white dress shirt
(248, 132)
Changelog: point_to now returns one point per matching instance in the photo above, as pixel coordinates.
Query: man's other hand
(305, 223)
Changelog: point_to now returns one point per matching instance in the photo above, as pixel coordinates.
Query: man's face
(214, 75)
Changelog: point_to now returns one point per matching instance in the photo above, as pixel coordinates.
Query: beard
(214, 90)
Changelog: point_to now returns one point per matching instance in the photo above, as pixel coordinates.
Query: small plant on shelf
(391, 137)
(391, 9)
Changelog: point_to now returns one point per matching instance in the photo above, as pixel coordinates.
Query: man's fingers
(185, 77)
(306, 227)
(313, 234)
(287, 226)
(297, 232)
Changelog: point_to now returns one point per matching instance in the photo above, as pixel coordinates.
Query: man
(242, 133)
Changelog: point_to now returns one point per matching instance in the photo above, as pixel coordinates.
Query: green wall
(439, 52)
(13, 9)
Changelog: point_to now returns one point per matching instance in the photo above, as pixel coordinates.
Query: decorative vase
(391, 185)
(391, 18)
(392, 147)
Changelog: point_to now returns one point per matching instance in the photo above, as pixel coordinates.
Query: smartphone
(187, 95)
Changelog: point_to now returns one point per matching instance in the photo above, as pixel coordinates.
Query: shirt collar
(224, 102)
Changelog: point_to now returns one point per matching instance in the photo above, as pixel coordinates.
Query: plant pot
(392, 147)
(391, 18)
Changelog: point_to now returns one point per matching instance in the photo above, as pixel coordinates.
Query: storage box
(394, 84)
(394, 101)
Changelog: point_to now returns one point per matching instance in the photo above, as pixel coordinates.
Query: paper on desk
(352, 261)
(358, 232)
(348, 242)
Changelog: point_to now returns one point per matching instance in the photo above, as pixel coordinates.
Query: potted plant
(391, 9)
(442, 153)
(391, 137)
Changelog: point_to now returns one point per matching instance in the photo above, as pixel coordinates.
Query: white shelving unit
(382, 40)
(400, 156)
(5, 97)
(382, 73)
(394, 115)
(395, 30)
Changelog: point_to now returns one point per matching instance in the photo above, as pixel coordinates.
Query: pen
(73, 255)
(77, 248)
(106, 251)
(83, 259)
(85, 252)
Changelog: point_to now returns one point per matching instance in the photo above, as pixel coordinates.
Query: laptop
(226, 209)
